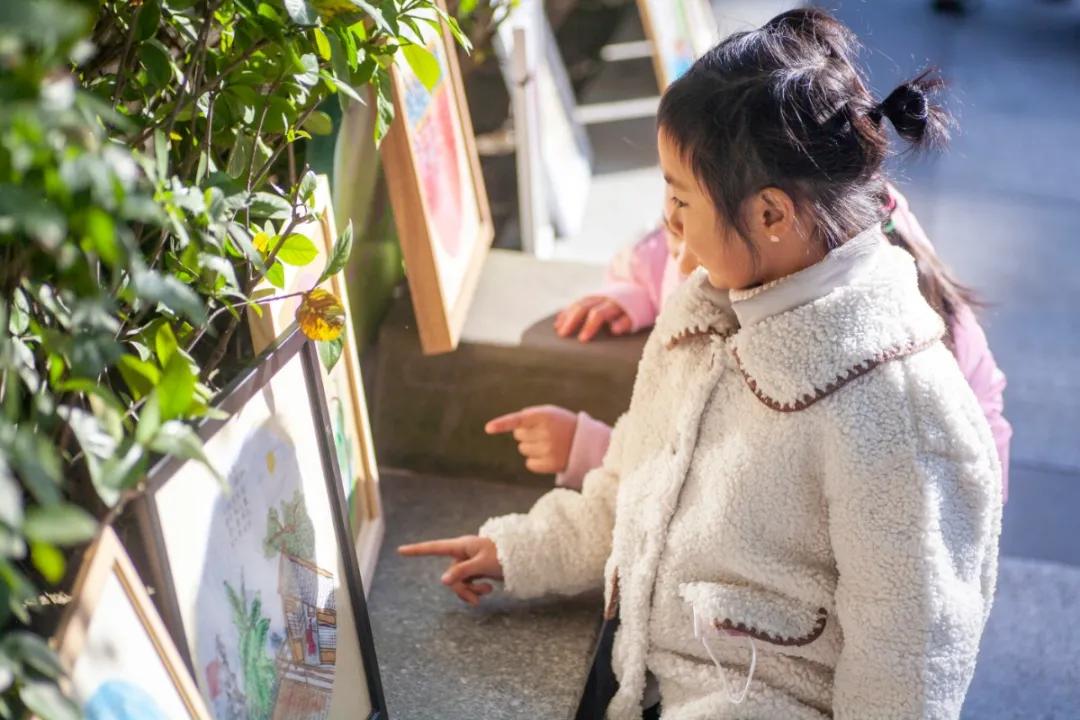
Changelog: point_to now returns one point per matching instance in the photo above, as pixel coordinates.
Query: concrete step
(429, 412)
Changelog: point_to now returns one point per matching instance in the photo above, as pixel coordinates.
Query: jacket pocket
(762, 614)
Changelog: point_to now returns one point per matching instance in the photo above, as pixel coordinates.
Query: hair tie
(907, 108)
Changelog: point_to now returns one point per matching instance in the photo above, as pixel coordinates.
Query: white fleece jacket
(823, 480)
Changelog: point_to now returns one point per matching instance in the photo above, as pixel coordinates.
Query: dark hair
(785, 106)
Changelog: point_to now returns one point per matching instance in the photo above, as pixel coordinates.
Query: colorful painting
(437, 192)
(121, 662)
(257, 574)
(680, 31)
(343, 384)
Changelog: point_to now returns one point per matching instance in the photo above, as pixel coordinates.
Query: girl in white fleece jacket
(798, 516)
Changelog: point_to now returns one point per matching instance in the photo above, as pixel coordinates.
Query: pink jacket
(641, 277)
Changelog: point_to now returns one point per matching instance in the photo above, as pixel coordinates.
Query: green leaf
(165, 344)
(101, 235)
(120, 472)
(330, 352)
(376, 15)
(177, 387)
(301, 12)
(276, 275)
(59, 524)
(319, 123)
(297, 250)
(19, 321)
(308, 184)
(45, 699)
(161, 155)
(96, 442)
(180, 440)
(310, 74)
(149, 19)
(149, 421)
(244, 247)
(18, 590)
(322, 43)
(11, 515)
(140, 376)
(240, 157)
(423, 64)
(268, 205)
(31, 650)
(154, 287)
(49, 561)
(35, 462)
(155, 58)
(339, 256)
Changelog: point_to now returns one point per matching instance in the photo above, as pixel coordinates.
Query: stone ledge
(429, 412)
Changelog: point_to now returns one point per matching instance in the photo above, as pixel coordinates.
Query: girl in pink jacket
(639, 279)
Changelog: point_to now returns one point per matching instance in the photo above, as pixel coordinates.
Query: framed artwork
(120, 660)
(680, 32)
(345, 398)
(437, 193)
(257, 576)
(563, 151)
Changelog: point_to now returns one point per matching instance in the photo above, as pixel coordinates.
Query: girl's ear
(772, 215)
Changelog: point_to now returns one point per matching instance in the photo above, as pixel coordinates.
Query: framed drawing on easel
(119, 658)
(257, 576)
(680, 32)
(346, 401)
(437, 191)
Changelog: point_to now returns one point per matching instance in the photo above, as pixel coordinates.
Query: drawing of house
(306, 659)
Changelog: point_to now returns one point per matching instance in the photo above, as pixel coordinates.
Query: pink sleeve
(590, 443)
(987, 380)
(635, 279)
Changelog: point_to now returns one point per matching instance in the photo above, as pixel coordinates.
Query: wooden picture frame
(680, 31)
(113, 667)
(346, 400)
(437, 193)
(228, 580)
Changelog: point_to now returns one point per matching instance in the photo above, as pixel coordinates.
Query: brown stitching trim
(696, 331)
(613, 603)
(819, 627)
(909, 348)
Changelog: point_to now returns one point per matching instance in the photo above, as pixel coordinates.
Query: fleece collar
(696, 309)
(795, 358)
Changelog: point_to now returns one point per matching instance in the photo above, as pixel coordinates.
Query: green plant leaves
(59, 524)
(176, 390)
(297, 250)
(339, 255)
(45, 699)
(330, 352)
(424, 65)
(146, 24)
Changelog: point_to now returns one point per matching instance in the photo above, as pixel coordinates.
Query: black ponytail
(912, 114)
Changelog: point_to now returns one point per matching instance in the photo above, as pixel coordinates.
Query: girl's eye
(678, 203)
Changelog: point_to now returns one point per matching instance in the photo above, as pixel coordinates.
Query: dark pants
(601, 685)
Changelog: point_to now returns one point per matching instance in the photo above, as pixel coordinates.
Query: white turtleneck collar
(838, 268)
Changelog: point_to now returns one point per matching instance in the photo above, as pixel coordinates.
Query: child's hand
(591, 314)
(474, 558)
(544, 434)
